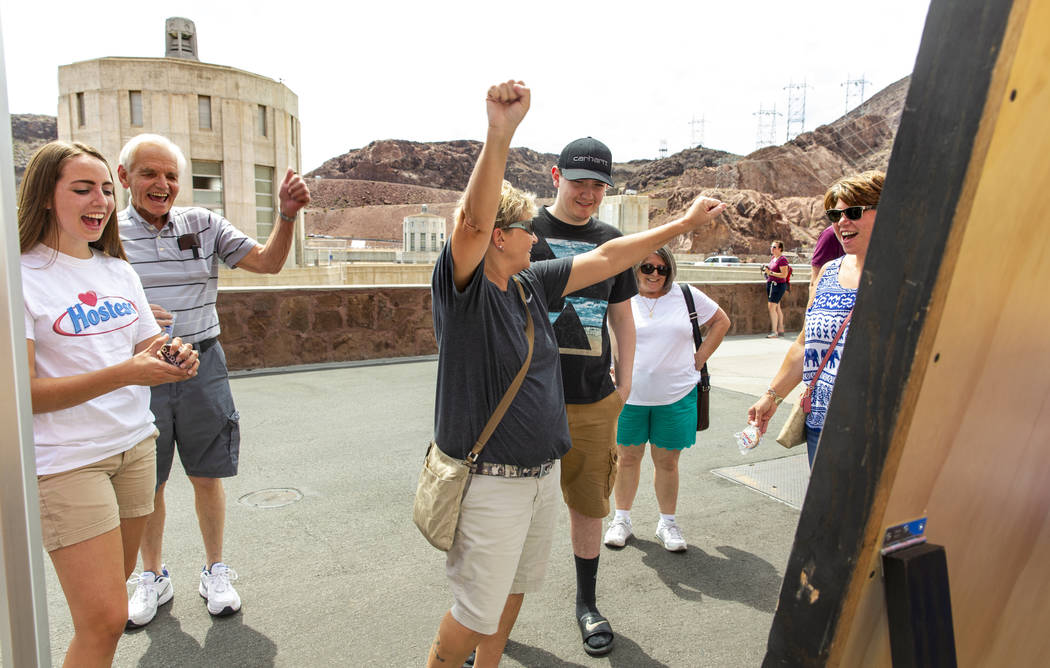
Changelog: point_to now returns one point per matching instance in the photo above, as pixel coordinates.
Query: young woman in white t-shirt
(661, 409)
(94, 348)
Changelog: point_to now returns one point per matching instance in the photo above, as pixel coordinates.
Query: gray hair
(127, 154)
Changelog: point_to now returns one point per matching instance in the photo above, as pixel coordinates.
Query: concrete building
(423, 235)
(627, 213)
(240, 131)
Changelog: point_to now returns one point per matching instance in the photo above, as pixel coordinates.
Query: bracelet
(288, 219)
(773, 394)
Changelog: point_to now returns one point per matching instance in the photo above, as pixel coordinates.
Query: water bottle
(747, 439)
(166, 352)
(170, 329)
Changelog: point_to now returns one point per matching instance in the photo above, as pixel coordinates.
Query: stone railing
(265, 327)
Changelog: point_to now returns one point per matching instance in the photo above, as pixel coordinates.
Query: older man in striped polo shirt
(176, 252)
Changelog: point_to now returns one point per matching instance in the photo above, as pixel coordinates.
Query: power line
(796, 113)
(767, 126)
(854, 89)
(692, 129)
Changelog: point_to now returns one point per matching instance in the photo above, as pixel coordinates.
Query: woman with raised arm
(93, 348)
(482, 285)
(850, 204)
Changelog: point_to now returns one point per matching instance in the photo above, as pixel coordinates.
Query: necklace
(650, 308)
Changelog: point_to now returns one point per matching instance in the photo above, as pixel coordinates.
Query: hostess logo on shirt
(96, 315)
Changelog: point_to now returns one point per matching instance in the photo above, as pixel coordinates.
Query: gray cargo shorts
(198, 417)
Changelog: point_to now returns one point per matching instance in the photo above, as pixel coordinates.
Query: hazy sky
(633, 74)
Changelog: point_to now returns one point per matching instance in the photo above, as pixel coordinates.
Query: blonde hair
(514, 205)
(858, 190)
(36, 196)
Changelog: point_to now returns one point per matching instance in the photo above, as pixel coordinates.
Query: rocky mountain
(333, 194)
(641, 175)
(805, 165)
(28, 133)
(774, 193)
(443, 165)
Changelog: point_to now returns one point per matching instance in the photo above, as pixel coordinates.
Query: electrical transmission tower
(854, 90)
(694, 142)
(767, 126)
(663, 148)
(796, 113)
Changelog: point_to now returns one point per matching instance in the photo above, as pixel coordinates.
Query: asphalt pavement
(332, 572)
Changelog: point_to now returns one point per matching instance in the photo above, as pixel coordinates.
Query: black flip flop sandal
(593, 624)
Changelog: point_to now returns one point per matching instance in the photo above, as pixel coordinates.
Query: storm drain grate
(784, 479)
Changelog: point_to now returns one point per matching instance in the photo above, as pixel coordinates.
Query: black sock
(586, 578)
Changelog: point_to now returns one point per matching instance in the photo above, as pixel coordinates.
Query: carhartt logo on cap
(586, 158)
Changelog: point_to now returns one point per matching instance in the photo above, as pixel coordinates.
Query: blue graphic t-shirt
(830, 306)
(579, 318)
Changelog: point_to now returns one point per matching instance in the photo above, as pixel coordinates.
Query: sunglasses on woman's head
(520, 225)
(852, 212)
(650, 268)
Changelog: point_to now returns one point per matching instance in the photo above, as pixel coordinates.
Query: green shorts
(671, 426)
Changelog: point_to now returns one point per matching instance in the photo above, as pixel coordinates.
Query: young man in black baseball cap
(593, 398)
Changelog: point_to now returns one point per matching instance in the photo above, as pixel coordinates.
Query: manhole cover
(271, 498)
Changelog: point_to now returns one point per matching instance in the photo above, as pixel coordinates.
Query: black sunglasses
(650, 268)
(521, 225)
(852, 212)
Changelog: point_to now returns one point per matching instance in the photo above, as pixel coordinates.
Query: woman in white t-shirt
(661, 409)
(94, 348)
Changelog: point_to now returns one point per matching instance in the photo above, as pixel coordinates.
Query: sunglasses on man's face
(852, 212)
(650, 268)
(520, 225)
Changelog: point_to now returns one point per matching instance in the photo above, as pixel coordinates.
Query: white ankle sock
(625, 514)
(666, 519)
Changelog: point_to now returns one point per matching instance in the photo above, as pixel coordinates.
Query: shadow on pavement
(626, 654)
(229, 642)
(736, 576)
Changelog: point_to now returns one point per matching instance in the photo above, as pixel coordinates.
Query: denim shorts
(775, 291)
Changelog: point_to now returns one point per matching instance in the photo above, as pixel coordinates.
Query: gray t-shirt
(481, 342)
(177, 276)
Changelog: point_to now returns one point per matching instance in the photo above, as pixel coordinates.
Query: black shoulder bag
(703, 388)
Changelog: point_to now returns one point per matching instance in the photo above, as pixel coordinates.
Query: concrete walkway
(340, 576)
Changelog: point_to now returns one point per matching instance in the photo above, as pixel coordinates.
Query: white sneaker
(216, 588)
(671, 537)
(152, 591)
(618, 532)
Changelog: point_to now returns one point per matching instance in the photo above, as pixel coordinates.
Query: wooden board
(942, 404)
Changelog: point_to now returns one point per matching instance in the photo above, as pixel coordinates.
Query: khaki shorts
(88, 501)
(588, 469)
(502, 545)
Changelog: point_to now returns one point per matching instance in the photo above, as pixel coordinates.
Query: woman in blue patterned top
(850, 204)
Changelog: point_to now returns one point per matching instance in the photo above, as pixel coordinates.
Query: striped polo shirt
(184, 280)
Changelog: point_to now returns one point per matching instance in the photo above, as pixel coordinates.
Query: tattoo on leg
(437, 643)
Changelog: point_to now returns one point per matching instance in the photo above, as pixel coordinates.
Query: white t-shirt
(664, 366)
(85, 315)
